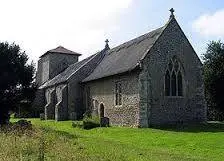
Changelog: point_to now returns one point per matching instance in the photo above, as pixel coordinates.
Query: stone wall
(51, 65)
(163, 109)
(42, 75)
(103, 92)
(75, 88)
(68, 95)
(61, 107)
(49, 108)
(59, 62)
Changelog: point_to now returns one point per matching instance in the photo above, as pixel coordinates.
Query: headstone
(104, 121)
(42, 116)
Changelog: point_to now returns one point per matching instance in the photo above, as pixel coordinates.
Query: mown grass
(60, 141)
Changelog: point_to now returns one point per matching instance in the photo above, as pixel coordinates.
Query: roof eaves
(120, 72)
(51, 85)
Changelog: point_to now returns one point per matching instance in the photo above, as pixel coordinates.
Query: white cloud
(79, 25)
(210, 24)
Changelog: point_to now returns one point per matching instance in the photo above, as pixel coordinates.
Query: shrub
(213, 72)
(21, 127)
(91, 122)
(78, 124)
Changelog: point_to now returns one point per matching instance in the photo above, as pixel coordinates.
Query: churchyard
(53, 141)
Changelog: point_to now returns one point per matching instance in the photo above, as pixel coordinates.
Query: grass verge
(60, 141)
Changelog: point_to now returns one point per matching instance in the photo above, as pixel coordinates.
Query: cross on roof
(107, 46)
(172, 11)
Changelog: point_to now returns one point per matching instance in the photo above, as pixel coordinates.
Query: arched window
(174, 84)
(173, 78)
(180, 84)
(167, 83)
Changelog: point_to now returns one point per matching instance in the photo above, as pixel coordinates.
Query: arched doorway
(101, 110)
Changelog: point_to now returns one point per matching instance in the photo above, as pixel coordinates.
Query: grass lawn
(60, 141)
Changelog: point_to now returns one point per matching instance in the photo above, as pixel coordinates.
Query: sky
(84, 25)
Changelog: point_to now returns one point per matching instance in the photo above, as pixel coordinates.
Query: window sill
(118, 106)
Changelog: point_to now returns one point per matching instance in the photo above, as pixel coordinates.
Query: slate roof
(125, 57)
(61, 50)
(65, 75)
(120, 59)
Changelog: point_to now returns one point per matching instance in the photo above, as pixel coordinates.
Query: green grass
(60, 141)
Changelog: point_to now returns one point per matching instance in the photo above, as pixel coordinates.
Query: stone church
(154, 79)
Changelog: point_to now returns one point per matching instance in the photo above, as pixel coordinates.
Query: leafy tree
(214, 75)
(16, 77)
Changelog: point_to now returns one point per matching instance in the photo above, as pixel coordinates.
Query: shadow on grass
(61, 133)
(211, 126)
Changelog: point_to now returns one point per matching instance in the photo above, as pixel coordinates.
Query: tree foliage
(16, 77)
(214, 75)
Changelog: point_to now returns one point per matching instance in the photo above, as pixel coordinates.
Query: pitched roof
(125, 57)
(61, 50)
(67, 73)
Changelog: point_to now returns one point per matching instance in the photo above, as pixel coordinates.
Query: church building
(154, 79)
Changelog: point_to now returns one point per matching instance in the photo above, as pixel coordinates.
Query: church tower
(54, 62)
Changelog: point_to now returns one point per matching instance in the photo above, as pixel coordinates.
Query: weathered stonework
(50, 106)
(173, 109)
(69, 94)
(145, 99)
(103, 92)
(52, 64)
(61, 108)
(49, 66)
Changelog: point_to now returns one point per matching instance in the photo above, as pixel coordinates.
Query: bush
(21, 127)
(91, 122)
(213, 72)
(77, 124)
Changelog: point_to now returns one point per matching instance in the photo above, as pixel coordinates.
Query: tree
(214, 75)
(16, 77)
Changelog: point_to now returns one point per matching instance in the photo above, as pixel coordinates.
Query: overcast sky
(83, 25)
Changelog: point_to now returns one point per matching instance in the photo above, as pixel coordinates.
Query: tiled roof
(61, 50)
(126, 56)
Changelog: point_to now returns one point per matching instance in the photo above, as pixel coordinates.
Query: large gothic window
(173, 78)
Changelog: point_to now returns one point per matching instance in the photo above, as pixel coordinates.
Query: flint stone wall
(103, 92)
(158, 109)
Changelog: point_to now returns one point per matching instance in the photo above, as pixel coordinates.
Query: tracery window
(173, 78)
